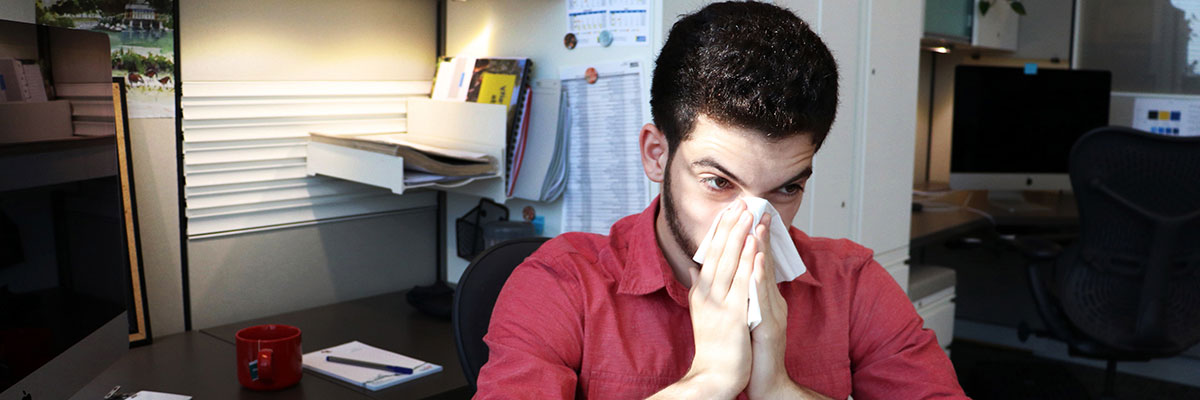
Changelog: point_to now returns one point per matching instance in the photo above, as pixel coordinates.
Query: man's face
(718, 164)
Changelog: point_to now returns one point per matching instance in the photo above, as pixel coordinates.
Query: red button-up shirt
(594, 316)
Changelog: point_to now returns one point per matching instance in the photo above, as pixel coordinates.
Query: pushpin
(605, 38)
(569, 41)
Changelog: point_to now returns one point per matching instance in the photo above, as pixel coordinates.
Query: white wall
(893, 49)
(245, 276)
(17, 10)
(155, 184)
(297, 40)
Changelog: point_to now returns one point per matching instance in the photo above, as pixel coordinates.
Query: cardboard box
(29, 121)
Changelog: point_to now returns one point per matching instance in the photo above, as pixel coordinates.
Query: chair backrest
(1134, 280)
(476, 295)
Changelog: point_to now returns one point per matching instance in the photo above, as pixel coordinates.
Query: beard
(670, 208)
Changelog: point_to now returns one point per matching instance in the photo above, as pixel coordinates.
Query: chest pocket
(825, 369)
(609, 385)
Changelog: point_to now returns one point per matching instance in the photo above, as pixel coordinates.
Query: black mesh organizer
(469, 227)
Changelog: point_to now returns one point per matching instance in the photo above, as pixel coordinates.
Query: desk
(992, 286)
(930, 227)
(201, 363)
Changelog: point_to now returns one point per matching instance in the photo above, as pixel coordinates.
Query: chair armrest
(1037, 249)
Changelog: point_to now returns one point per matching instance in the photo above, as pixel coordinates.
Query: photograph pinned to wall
(142, 38)
(603, 23)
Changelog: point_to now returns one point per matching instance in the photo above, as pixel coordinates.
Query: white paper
(148, 395)
(1172, 117)
(627, 20)
(453, 79)
(403, 140)
(369, 378)
(605, 180)
(416, 178)
(788, 264)
(541, 149)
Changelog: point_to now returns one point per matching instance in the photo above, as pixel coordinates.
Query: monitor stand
(1013, 201)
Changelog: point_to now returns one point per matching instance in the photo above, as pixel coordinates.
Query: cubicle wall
(257, 248)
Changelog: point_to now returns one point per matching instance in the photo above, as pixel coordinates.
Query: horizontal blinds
(245, 144)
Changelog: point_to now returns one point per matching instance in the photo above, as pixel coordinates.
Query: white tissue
(788, 264)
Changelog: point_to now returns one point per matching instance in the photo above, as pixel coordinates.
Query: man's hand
(717, 300)
(769, 378)
(769, 339)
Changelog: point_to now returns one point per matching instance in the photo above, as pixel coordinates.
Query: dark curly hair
(746, 64)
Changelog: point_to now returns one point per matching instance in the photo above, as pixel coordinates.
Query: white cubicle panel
(888, 136)
(244, 150)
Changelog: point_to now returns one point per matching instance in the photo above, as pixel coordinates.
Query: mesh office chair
(1127, 291)
(476, 295)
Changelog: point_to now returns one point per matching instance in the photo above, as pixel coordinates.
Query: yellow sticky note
(496, 88)
(1164, 115)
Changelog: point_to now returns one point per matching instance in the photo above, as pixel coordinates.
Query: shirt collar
(645, 269)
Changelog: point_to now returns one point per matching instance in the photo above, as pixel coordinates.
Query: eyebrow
(709, 162)
(807, 172)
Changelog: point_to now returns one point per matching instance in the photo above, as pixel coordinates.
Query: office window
(1151, 46)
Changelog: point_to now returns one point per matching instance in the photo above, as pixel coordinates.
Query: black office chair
(1128, 289)
(476, 295)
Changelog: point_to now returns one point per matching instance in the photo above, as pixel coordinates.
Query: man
(743, 95)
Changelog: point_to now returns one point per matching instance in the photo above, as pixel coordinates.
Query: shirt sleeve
(535, 335)
(892, 355)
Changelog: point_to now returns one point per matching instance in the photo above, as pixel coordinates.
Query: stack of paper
(22, 82)
(437, 163)
(543, 172)
(369, 378)
(493, 80)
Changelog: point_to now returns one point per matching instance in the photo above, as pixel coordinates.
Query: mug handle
(265, 371)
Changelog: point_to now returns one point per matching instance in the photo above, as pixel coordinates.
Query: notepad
(369, 378)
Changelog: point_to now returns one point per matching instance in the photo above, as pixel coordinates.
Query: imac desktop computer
(1014, 128)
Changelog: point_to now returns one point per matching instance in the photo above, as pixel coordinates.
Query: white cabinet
(997, 29)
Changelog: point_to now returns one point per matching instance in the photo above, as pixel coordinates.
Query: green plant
(1017, 7)
(49, 18)
(126, 60)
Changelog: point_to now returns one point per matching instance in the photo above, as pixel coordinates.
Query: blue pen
(368, 364)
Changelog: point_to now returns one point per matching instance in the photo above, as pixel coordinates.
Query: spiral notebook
(369, 378)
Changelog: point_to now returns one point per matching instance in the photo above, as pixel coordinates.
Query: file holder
(474, 127)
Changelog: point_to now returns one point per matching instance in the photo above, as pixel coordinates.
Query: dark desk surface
(387, 322)
(932, 226)
(207, 356)
(197, 365)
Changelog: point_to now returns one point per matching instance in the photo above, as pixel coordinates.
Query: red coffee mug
(269, 357)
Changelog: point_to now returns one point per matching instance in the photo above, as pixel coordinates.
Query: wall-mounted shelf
(458, 125)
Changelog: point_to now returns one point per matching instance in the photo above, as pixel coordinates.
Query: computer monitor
(65, 276)
(1014, 127)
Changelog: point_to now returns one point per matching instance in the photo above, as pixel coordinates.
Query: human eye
(715, 183)
(791, 190)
